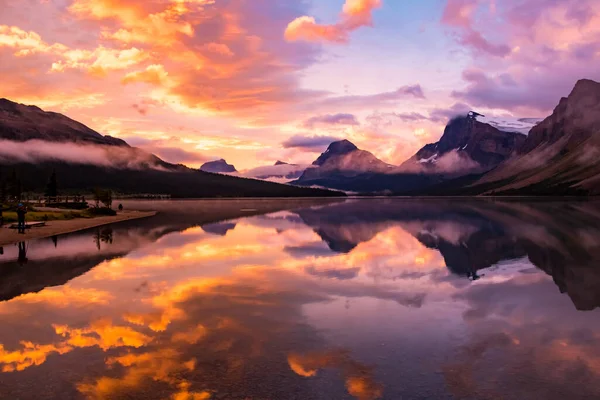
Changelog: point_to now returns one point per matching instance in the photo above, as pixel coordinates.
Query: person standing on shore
(21, 211)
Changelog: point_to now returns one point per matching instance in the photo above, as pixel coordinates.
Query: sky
(256, 81)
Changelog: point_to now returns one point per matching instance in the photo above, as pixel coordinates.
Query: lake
(310, 299)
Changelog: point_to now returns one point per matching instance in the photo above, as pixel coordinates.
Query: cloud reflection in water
(172, 311)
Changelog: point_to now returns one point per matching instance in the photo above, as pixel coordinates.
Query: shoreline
(11, 236)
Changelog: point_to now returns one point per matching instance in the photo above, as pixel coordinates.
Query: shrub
(97, 211)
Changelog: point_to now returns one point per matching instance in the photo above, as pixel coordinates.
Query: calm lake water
(309, 299)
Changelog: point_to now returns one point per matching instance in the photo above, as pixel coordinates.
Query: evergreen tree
(52, 187)
(104, 197)
(14, 185)
(18, 190)
(2, 188)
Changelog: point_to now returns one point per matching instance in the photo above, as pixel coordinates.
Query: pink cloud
(355, 14)
(443, 115)
(170, 150)
(309, 143)
(220, 57)
(332, 119)
(525, 54)
(33, 151)
(461, 15)
(373, 100)
(474, 39)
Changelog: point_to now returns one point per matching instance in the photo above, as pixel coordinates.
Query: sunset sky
(254, 81)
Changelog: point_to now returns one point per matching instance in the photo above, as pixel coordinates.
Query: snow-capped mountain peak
(509, 124)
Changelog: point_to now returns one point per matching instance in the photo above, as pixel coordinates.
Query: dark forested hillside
(191, 183)
(36, 143)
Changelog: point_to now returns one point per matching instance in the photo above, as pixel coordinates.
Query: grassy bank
(34, 215)
(59, 227)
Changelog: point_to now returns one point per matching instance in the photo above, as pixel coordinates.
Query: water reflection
(22, 258)
(362, 299)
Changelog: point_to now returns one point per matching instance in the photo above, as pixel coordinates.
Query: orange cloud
(95, 61)
(142, 22)
(154, 74)
(101, 333)
(157, 321)
(63, 297)
(104, 334)
(192, 336)
(162, 365)
(360, 382)
(26, 42)
(219, 48)
(31, 354)
(99, 60)
(216, 60)
(355, 14)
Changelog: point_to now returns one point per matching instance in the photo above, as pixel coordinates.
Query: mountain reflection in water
(309, 299)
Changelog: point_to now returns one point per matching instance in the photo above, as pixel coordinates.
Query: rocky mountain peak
(585, 86)
(583, 101)
(575, 119)
(342, 160)
(342, 147)
(218, 166)
(281, 163)
(338, 148)
(469, 142)
(20, 123)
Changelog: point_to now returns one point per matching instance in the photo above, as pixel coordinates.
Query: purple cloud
(374, 100)
(309, 143)
(526, 55)
(386, 118)
(331, 119)
(502, 91)
(443, 115)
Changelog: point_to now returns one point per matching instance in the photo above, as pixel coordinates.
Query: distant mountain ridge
(479, 155)
(279, 172)
(467, 146)
(218, 167)
(341, 162)
(336, 149)
(476, 155)
(561, 154)
(27, 126)
(19, 122)
(474, 145)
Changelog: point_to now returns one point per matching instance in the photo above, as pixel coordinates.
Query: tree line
(11, 190)
(10, 186)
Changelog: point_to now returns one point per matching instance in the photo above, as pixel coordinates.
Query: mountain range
(33, 143)
(476, 155)
(280, 172)
(561, 154)
(479, 155)
(21, 123)
(466, 145)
